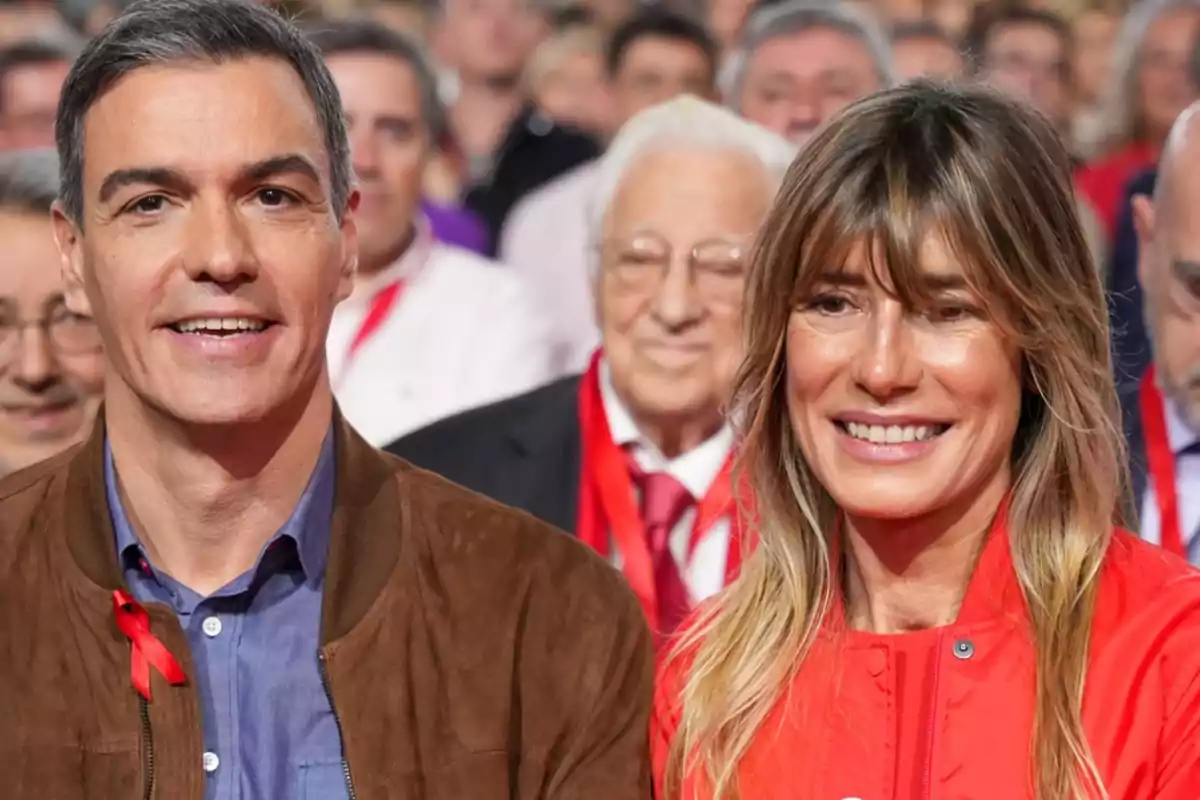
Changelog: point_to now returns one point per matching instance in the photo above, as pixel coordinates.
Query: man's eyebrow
(167, 178)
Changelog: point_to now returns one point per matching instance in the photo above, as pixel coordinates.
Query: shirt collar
(696, 469)
(1179, 434)
(308, 526)
(404, 268)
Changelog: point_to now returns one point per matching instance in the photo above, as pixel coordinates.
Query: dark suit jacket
(1135, 440)
(524, 452)
(1131, 345)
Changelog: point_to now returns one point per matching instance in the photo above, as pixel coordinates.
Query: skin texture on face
(29, 102)
(206, 196)
(390, 145)
(858, 359)
(47, 395)
(1029, 62)
(794, 83)
(674, 345)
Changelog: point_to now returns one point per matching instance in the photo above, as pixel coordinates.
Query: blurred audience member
(678, 199)
(31, 77)
(29, 19)
(921, 49)
(51, 364)
(509, 149)
(727, 19)
(1147, 89)
(565, 78)
(1093, 32)
(430, 328)
(654, 56)
(801, 62)
(411, 18)
(1163, 414)
(1025, 53)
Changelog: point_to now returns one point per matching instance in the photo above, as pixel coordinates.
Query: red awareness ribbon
(134, 622)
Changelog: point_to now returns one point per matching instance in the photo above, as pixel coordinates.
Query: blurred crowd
(477, 128)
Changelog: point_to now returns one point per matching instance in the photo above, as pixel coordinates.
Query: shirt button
(212, 627)
(963, 649)
(211, 762)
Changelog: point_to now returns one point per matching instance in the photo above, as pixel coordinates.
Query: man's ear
(349, 246)
(1145, 219)
(69, 238)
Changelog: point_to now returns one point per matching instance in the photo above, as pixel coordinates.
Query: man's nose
(677, 301)
(219, 246)
(35, 366)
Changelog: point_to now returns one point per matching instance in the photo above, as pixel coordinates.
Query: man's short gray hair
(363, 35)
(28, 181)
(685, 122)
(788, 19)
(218, 31)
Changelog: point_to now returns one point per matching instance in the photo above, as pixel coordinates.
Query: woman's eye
(829, 304)
(949, 313)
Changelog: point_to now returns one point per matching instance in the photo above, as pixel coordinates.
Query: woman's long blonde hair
(994, 180)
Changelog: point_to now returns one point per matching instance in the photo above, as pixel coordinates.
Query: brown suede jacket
(471, 652)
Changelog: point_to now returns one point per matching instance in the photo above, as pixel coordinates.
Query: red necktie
(664, 502)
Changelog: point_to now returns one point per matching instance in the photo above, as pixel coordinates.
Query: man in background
(509, 148)
(31, 77)
(430, 329)
(921, 49)
(1162, 411)
(653, 56)
(801, 62)
(51, 362)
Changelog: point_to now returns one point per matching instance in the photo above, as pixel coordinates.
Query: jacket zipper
(147, 746)
(931, 720)
(337, 721)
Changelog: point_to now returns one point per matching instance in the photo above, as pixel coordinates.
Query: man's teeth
(221, 325)
(891, 434)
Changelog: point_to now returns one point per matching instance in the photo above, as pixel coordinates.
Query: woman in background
(941, 604)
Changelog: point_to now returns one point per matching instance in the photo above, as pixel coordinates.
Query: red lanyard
(1161, 462)
(380, 309)
(607, 500)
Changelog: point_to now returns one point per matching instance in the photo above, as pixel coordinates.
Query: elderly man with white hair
(634, 456)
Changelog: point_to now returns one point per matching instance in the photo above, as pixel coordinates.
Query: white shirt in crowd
(464, 332)
(546, 239)
(1187, 488)
(704, 574)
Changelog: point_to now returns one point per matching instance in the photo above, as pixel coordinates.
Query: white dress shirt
(546, 239)
(464, 332)
(1187, 487)
(704, 574)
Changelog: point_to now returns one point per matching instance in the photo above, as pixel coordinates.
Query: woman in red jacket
(940, 605)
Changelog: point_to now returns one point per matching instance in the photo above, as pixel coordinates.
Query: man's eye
(275, 198)
(150, 204)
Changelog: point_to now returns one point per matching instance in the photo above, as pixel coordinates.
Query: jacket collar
(365, 540)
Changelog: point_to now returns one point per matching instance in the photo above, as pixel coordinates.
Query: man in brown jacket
(225, 592)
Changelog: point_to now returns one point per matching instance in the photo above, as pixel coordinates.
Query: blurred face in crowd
(211, 255)
(1164, 87)
(794, 83)
(900, 412)
(671, 279)
(926, 57)
(51, 365)
(656, 68)
(408, 18)
(28, 103)
(726, 19)
(390, 145)
(1169, 271)
(1094, 33)
(1030, 61)
(490, 40)
(575, 92)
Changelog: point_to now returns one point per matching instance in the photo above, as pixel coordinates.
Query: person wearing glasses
(634, 455)
(51, 363)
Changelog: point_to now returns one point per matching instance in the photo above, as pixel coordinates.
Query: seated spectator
(652, 57)
(430, 329)
(31, 77)
(51, 364)
(922, 50)
(1162, 412)
(565, 78)
(678, 199)
(801, 62)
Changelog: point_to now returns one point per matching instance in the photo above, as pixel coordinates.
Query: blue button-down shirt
(269, 729)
